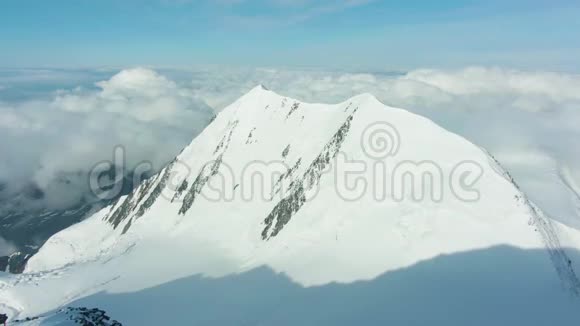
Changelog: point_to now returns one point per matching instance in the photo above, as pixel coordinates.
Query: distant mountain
(284, 212)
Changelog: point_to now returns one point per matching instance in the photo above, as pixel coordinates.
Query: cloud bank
(51, 144)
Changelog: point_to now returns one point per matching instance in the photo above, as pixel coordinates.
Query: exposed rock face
(16, 262)
(90, 317)
(287, 207)
(79, 316)
(208, 171)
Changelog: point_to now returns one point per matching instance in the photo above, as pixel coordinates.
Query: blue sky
(382, 35)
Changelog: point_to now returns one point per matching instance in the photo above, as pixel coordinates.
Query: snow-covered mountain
(283, 212)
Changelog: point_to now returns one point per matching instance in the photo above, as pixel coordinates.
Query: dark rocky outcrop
(80, 316)
(287, 207)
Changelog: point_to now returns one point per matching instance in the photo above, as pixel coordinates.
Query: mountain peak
(258, 89)
(253, 94)
(364, 98)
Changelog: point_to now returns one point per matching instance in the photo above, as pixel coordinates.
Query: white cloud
(146, 113)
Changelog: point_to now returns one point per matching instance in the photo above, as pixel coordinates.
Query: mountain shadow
(497, 286)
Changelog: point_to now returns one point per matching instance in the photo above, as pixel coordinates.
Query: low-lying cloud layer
(528, 120)
(53, 143)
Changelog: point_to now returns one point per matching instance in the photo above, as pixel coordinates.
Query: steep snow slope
(335, 204)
